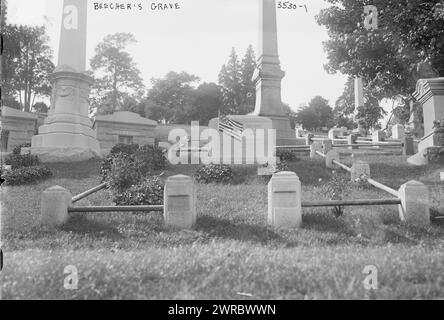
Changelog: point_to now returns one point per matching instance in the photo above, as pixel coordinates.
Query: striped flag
(230, 127)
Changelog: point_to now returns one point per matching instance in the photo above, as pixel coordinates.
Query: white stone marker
(327, 145)
(316, 146)
(398, 132)
(441, 176)
(54, 206)
(284, 200)
(331, 155)
(180, 202)
(415, 207)
(359, 169)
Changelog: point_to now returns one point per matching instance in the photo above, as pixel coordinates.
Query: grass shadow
(227, 229)
(80, 224)
(326, 222)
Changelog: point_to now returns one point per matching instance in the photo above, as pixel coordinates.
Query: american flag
(231, 127)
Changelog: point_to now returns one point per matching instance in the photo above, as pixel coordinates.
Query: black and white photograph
(222, 155)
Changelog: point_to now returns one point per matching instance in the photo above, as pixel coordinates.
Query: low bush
(148, 192)
(128, 149)
(214, 174)
(141, 162)
(123, 173)
(18, 161)
(17, 149)
(25, 175)
(286, 155)
(150, 159)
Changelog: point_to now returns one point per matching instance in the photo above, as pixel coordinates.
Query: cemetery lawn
(232, 253)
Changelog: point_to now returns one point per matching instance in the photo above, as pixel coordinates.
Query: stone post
(332, 155)
(415, 203)
(54, 206)
(351, 139)
(284, 200)
(327, 145)
(408, 148)
(398, 132)
(316, 146)
(377, 136)
(180, 202)
(360, 169)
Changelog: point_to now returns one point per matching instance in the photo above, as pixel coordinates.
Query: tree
(248, 87)
(408, 44)
(207, 103)
(171, 98)
(368, 116)
(316, 115)
(230, 81)
(117, 77)
(26, 64)
(238, 88)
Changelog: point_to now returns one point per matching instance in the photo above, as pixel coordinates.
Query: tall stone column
(67, 134)
(359, 101)
(268, 75)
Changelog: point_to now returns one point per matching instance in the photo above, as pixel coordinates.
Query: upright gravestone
(67, 134)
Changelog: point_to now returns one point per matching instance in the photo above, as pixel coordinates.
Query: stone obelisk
(359, 102)
(268, 75)
(67, 134)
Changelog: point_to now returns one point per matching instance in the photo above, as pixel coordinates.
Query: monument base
(65, 147)
(285, 136)
(233, 151)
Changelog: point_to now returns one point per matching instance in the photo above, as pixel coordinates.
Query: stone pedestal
(430, 94)
(67, 135)
(54, 206)
(284, 200)
(257, 145)
(314, 148)
(415, 203)
(180, 202)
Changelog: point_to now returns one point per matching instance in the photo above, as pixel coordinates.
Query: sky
(198, 39)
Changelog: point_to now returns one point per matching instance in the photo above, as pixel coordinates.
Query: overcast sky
(198, 39)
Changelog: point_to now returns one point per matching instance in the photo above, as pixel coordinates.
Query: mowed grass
(232, 253)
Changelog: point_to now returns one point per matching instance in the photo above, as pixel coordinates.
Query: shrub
(25, 175)
(148, 192)
(145, 160)
(128, 149)
(17, 149)
(286, 155)
(123, 173)
(150, 159)
(19, 161)
(214, 174)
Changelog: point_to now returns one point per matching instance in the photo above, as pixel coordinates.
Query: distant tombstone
(398, 132)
